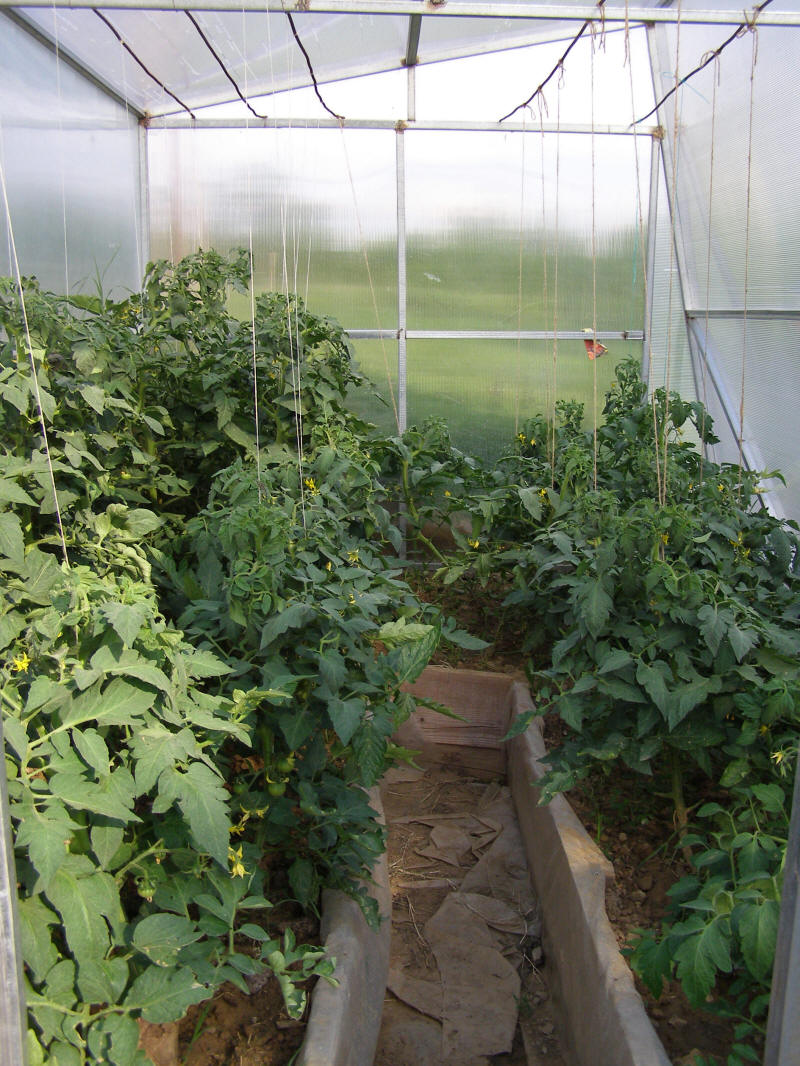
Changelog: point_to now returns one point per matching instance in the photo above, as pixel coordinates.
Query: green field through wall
(484, 389)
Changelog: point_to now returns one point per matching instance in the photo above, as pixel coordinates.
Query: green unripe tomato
(276, 788)
(285, 766)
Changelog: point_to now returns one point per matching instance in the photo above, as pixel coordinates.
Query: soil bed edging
(604, 1022)
(345, 1020)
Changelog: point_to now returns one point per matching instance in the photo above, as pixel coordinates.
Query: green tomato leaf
(596, 608)
(126, 619)
(162, 936)
(202, 798)
(164, 995)
(345, 716)
(758, 928)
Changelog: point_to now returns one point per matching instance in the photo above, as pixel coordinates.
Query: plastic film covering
(486, 389)
(318, 205)
(483, 248)
(70, 156)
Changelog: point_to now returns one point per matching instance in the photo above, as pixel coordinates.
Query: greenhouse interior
(343, 337)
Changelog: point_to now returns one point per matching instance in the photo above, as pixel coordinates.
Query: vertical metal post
(13, 1021)
(783, 1024)
(401, 282)
(650, 269)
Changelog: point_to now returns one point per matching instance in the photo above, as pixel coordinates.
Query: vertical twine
(704, 368)
(370, 282)
(754, 56)
(555, 289)
(519, 277)
(662, 494)
(594, 281)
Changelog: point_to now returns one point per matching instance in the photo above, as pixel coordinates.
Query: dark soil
(239, 1029)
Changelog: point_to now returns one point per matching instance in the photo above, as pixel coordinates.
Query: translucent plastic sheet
(764, 381)
(482, 242)
(71, 161)
(314, 230)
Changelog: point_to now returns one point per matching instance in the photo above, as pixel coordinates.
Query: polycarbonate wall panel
(485, 390)
(772, 352)
(70, 156)
(484, 251)
(319, 206)
(712, 181)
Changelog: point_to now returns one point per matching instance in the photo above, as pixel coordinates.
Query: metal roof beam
(505, 9)
(179, 122)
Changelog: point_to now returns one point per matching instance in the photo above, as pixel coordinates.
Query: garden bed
(602, 1018)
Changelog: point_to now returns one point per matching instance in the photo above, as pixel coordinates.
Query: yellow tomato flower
(447, 492)
(474, 543)
(235, 859)
(353, 556)
(328, 565)
(20, 663)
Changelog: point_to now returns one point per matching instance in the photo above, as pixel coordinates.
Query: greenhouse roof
(165, 57)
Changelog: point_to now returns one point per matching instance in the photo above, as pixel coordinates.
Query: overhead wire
(242, 96)
(146, 69)
(594, 272)
(744, 27)
(559, 64)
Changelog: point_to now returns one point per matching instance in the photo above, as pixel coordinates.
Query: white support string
(365, 254)
(594, 273)
(251, 265)
(704, 366)
(555, 286)
(754, 57)
(34, 376)
(519, 277)
(61, 140)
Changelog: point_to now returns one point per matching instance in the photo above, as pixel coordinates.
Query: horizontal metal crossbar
(776, 313)
(181, 122)
(505, 9)
(493, 334)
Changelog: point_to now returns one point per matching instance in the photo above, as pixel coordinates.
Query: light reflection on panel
(318, 205)
(71, 161)
(485, 390)
(483, 250)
